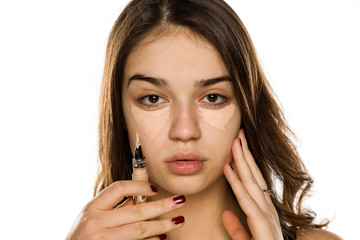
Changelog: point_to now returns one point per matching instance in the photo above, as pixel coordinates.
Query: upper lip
(190, 156)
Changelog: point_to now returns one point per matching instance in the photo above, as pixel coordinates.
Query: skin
(145, 121)
(218, 119)
(180, 109)
(183, 111)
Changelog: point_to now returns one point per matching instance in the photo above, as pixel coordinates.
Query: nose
(184, 124)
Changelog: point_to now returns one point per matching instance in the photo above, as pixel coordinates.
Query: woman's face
(178, 96)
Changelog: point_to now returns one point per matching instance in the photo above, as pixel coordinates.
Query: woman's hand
(248, 186)
(99, 219)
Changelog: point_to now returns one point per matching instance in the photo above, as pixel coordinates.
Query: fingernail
(153, 188)
(162, 236)
(179, 199)
(231, 166)
(240, 142)
(178, 220)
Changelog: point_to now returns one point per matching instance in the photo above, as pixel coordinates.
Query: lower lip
(185, 167)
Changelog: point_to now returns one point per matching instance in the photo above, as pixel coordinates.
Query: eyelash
(154, 105)
(141, 101)
(214, 105)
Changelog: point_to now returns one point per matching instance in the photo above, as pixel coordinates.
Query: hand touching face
(251, 193)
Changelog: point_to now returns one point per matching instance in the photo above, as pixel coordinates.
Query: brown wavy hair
(266, 129)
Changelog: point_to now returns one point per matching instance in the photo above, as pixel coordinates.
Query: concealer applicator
(139, 170)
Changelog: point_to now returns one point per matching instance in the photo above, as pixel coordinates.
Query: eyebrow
(211, 81)
(156, 81)
(163, 83)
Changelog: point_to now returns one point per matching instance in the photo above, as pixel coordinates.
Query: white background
(51, 61)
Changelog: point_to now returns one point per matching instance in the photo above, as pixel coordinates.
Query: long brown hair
(267, 132)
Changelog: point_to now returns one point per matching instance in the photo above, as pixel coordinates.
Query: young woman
(184, 75)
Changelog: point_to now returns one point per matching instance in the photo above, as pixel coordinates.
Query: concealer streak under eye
(218, 118)
(150, 123)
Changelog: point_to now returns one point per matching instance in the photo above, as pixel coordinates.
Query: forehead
(175, 54)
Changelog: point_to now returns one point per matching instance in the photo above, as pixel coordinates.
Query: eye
(214, 99)
(152, 100)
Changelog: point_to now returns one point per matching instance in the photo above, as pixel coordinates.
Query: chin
(184, 185)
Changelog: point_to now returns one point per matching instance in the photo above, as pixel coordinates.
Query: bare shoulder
(318, 234)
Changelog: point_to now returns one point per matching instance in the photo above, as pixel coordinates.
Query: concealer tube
(139, 170)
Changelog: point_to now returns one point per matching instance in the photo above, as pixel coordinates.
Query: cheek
(219, 118)
(150, 123)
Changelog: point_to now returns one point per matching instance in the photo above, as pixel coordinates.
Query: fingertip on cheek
(236, 144)
(241, 134)
(228, 168)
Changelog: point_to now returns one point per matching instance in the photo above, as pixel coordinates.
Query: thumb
(233, 226)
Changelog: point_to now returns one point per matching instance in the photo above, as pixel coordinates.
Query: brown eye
(212, 97)
(152, 100)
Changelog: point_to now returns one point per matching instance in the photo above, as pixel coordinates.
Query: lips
(185, 163)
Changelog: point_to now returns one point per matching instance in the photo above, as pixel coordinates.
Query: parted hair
(268, 134)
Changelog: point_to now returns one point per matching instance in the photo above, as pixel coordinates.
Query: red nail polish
(153, 188)
(178, 220)
(231, 166)
(179, 199)
(162, 236)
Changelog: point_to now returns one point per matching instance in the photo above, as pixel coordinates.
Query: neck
(202, 212)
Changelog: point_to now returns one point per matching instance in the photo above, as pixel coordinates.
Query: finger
(245, 200)
(141, 212)
(247, 177)
(113, 194)
(145, 229)
(253, 166)
(256, 218)
(251, 161)
(233, 226)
